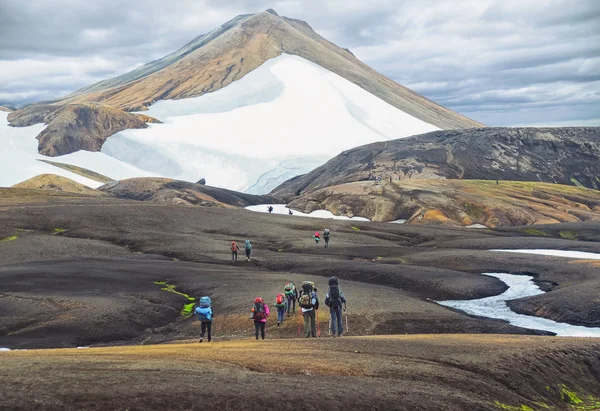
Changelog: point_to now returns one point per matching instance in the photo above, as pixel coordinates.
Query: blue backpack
(205, 302)
(204, 313)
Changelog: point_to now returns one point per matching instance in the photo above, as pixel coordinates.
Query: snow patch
(19, 159)
(288, 111)
(520, 286)
(400, 221)
(283, 209)
(4, 349)
(476, 226)
(557, 253)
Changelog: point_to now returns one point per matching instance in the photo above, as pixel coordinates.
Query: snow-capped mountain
(247, 106)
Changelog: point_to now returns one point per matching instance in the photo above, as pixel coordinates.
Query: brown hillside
(457, 202)
(57, 183)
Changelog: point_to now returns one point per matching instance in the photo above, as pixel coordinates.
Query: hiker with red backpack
(291, 294)
(260, 312)
(335, 299)
(281, 305)
(309, 302)
(234, 251)
(317, 238)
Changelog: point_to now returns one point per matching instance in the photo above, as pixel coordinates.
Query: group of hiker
(307, 299)
(248, 245)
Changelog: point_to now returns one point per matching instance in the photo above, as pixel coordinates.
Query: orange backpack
(279, 299)
(234, 246)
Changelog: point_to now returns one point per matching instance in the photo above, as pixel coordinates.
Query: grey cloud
(499, 61)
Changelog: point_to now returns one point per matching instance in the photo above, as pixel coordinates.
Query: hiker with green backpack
(281, 305)
(260, 312)
(291, 294)
(309, 302)
(248, 248)
(205, 315)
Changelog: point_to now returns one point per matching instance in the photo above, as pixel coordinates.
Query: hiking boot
(278, 324)
(200, 339)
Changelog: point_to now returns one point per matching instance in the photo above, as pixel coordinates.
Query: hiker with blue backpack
(205, 315)
(335, 299)
(260, 312)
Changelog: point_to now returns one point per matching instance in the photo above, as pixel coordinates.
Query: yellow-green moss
(568, 235)
(7, 239)
(355, 228)
(512, 408)
(535, 231)
(577, 183)
(59, 230)
(186, 311)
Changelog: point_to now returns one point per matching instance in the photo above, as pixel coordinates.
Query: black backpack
(335, 299)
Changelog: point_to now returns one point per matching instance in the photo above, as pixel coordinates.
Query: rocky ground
(77, 270)
(418, 372)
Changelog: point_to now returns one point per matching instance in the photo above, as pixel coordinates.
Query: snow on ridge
(555, 253)
(283, 209)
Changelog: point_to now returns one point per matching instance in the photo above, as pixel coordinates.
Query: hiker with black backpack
(260, 312)
(291, 294)
(234, 250)
(309, 302)
(205, 315)
(326, 235)
(335, 299)
(281, 305)
(248, 248)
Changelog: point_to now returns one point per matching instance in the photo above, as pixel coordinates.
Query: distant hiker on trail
(270, 209)
(248, 248)
(290, 212)
(309, 302)
(281, 304)
(205, 315)
(234, 250)
(291, 294)
(317, 238)
(326, 236)
(334, 300)
(260, 312)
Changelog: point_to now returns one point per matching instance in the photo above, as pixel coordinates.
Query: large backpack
(234, 246)
(279, 299)
(305, 300)
(205, 302)
(204, 313)
(289, 289)
(258, 310)
(326, 233)
(335, 298)
(248, 245)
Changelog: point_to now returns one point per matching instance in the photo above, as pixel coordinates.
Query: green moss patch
(59, 230)
(186, 311)
(575, 401)
(569, 235)
(577, 183)
(7, 239)
(535, 231)
(355, 228)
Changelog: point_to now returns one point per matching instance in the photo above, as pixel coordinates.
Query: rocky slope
(57, 183)
(456, 202)
(165, 190)
(75, 127)
(559, 155)
(216, 59)
(5, 109)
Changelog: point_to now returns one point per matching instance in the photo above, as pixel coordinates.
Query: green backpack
(289, 289)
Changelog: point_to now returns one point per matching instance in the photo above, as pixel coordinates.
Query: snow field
(556, 253)
(283, 209)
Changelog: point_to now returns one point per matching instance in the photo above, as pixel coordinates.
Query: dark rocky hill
(558, 155)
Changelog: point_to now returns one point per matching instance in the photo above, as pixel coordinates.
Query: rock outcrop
(57, 183)
(568, 156)
(165, 190)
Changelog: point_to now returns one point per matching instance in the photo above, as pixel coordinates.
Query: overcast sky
(501, 62)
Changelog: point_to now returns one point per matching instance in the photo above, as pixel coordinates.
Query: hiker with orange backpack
(281, 304)
(260, 312)
(234, 251)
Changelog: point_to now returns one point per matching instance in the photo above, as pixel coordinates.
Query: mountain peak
(271, 11)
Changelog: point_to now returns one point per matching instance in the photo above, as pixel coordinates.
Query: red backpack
(258, 310)
(279, 299)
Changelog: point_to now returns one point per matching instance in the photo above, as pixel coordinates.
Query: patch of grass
(577, 183)
(355, 228)
(535, 231)
(7, 239)
(59, 230)
(513, 408)
(186, 311)
(568, 235)
(81, 171)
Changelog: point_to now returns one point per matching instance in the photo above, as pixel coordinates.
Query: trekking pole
(347, 329)
(318, 325)
(299, 315)
(329, 327)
